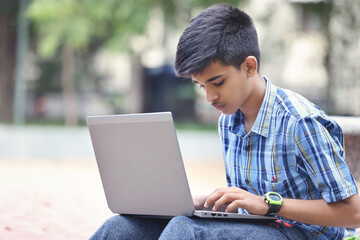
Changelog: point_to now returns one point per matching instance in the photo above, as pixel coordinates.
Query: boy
(283, 155)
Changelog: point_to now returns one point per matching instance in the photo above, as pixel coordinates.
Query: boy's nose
(211, 96)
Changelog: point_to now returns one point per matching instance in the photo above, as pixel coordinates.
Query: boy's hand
(199, 202)
(236, 198)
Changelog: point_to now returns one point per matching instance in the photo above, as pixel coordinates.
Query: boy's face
(226, 88)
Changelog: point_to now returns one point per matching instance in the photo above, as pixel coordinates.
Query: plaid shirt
(294, 149)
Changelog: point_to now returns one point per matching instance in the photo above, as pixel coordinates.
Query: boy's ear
(250, 65)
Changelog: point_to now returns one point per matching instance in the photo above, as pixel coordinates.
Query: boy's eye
(219, 83)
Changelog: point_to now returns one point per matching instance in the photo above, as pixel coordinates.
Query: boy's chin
(228, 112)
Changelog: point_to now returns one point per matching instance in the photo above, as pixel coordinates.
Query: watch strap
(273, 209)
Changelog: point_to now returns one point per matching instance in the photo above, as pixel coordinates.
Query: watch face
(275, 197)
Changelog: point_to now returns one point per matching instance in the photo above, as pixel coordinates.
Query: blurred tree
(19, 109)
(8, 13)
(71, 26)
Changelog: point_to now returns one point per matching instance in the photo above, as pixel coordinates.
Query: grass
(195, 126)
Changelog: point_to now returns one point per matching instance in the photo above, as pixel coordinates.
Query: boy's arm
(344, 213)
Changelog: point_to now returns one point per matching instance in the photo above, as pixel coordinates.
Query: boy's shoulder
(302, 111)
(295, 105)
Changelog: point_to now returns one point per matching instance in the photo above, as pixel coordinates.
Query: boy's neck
(251, 110)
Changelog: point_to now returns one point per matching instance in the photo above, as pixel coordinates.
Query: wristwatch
(275, 201)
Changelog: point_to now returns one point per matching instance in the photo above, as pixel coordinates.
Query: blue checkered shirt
(294, 149)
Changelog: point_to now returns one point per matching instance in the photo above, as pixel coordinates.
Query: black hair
(221, 33)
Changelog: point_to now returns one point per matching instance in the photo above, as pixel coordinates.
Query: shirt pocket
(281, 187)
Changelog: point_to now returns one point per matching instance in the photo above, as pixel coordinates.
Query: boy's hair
(221, 33)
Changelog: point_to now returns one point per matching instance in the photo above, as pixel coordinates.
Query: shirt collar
(263, 120)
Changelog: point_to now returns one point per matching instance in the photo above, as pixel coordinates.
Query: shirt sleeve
(324, 158)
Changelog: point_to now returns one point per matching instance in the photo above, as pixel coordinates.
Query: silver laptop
(141, 168)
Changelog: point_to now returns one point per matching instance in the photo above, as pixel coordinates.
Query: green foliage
(75, 23)
(355, 237)
(207, 3)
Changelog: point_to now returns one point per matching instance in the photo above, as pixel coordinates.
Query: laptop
(141, 167)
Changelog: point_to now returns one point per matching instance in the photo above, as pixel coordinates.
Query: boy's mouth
(218, 107)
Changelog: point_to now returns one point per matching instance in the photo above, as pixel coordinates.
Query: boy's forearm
(344, 213)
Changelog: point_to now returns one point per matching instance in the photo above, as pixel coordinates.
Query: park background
(63, 60)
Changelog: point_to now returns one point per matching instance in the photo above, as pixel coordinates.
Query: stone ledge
(349, 125)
